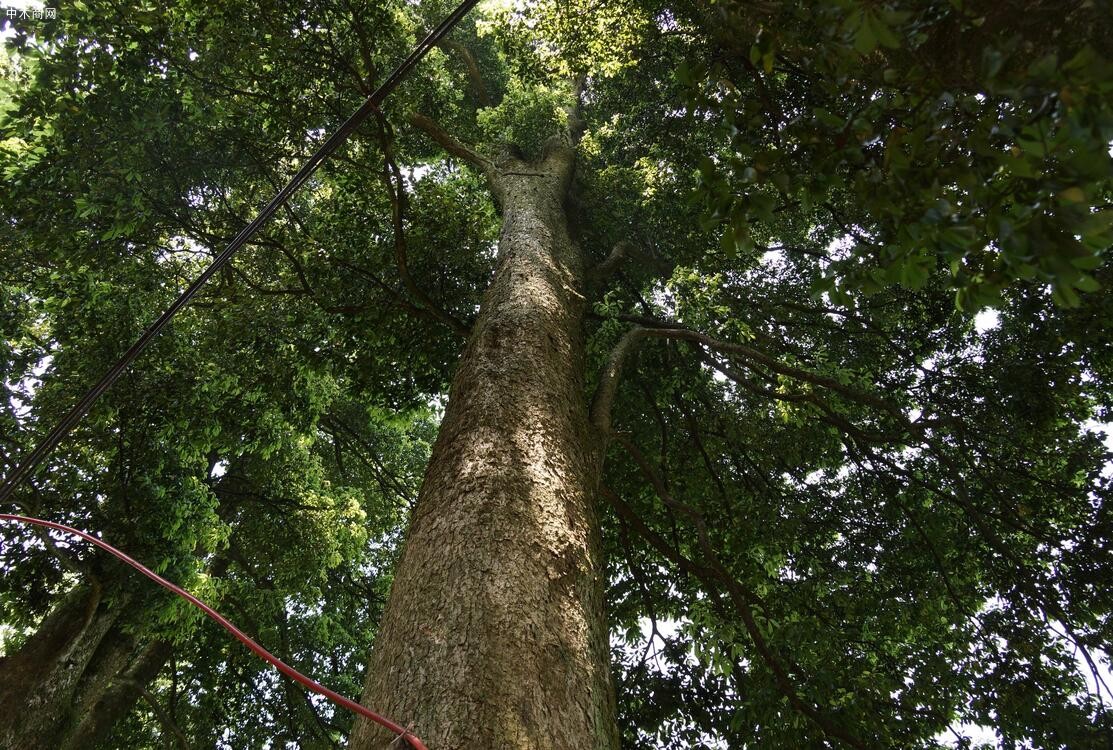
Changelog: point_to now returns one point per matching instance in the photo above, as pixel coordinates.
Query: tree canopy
(840, 507)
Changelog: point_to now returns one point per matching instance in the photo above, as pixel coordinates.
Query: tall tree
(700, 283)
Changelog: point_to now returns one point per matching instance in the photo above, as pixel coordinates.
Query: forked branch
(750, 356)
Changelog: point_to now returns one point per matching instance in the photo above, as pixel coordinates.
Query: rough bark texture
(494, 636)
(77, 675)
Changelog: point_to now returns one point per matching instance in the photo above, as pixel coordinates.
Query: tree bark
(494, 637)
(76, 676)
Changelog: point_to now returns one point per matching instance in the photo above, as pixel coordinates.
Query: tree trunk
(77, 675)
(494, 636)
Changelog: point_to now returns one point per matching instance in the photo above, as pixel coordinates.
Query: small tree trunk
(75, 677)
(494, 636)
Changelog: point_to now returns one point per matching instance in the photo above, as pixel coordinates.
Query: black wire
(376, 98)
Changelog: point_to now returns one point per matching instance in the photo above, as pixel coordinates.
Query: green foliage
(264, 449)
(526, 118)
(936, 135)
(914, 507)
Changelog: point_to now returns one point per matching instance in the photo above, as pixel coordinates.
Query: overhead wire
(27, 466)
(238, 634)
(66, 424)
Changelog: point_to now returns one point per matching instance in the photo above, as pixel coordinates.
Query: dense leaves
(965, 135)
(839, 510)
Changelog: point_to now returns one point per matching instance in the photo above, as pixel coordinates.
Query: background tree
(865, 521)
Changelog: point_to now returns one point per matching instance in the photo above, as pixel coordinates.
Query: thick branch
(265, 291)
(479, 86)
(407, 306)
(357, 25)
(576, 122)
(827, 414)
(450, 144)
(368, 456)
(603, 400)
(668, 329)
(564, 141)
(162, 715)
(66, 561)
(622, 250)
(657, 541)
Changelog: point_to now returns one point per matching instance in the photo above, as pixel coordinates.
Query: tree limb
(357, 25)
(603, 270)
(475, 76)
(603, 400)
(672, 330)
(657, 541)
(369, 457)
(160, 713)
(407, 306)
(450, 144)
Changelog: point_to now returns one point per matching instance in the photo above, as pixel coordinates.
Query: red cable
(242, 637)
